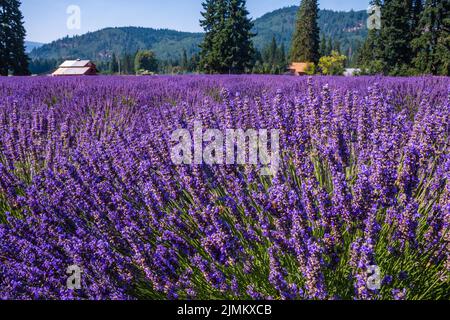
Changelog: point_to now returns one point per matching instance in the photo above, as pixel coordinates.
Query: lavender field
(362, 191)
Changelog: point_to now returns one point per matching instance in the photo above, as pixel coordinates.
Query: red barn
(76, 68)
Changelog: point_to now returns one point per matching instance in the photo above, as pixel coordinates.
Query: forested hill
(346, 27)
(99, 45)
(30, 46)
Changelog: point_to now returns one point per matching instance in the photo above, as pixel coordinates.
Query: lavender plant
(86, 179)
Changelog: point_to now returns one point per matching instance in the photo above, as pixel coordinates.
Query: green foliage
(273, 59)
(100, 45)
(432, 45)
(347, 27)
(311, 69)
(414, 39)
(370, 56)
(373, 67)
(213, 15)
(337, 46)
(184, 60)
(323, 47)
(416, 15)
(305, 43)
(114, 64)
(43, 66)
(123, 65)
(396, 34)
(145, 61)
(13, 58)
(332, 65)
(31, 45)
(127, 64)
(227, 46)
(239, 28)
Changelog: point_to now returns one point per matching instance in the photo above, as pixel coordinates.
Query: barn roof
(75, 63)
(71, 71)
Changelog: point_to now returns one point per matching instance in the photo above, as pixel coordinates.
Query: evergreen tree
(20, 60)
(273, 50)
(4, 54)
(43, 66)
(282, 56)
(193, 63)
(184, 61)
(323, 47)
(239, 29)
(113, 65)
(370, 54)
(273, 60)
(329, 47)
(433, 43)
(416, 7)
(227, 46)
(12, 39)
(416, 13)
(305, 43)
(221, 55)
(145, 61)
(214, 44)
(337, 46)
(126, 64)
(396, 36)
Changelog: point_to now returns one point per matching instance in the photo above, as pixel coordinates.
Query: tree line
(228, 47)
(146, 62)
(414, 38)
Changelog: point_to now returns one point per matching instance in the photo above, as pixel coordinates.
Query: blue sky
(46, 20)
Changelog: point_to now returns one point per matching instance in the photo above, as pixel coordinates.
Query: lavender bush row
(86, 179)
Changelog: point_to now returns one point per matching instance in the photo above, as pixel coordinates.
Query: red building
(76, 68)
(299, 68)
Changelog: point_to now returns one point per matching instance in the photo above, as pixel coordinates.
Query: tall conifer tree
(184, 60)
(114, 64)
(282, 59)
(323, 47)
(227, 47)
(4, 26)
(396, 35)
(433, 44)
(209, 24)
(239, 28)
(370, 54)
(416, 13)
(305, 43)
(12, 39)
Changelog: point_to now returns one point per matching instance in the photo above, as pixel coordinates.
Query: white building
(350, 72)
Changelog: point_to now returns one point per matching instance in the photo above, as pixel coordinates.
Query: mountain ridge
(31, 45)
(169, 44)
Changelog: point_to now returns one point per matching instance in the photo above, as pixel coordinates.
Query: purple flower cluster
(86, 179)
